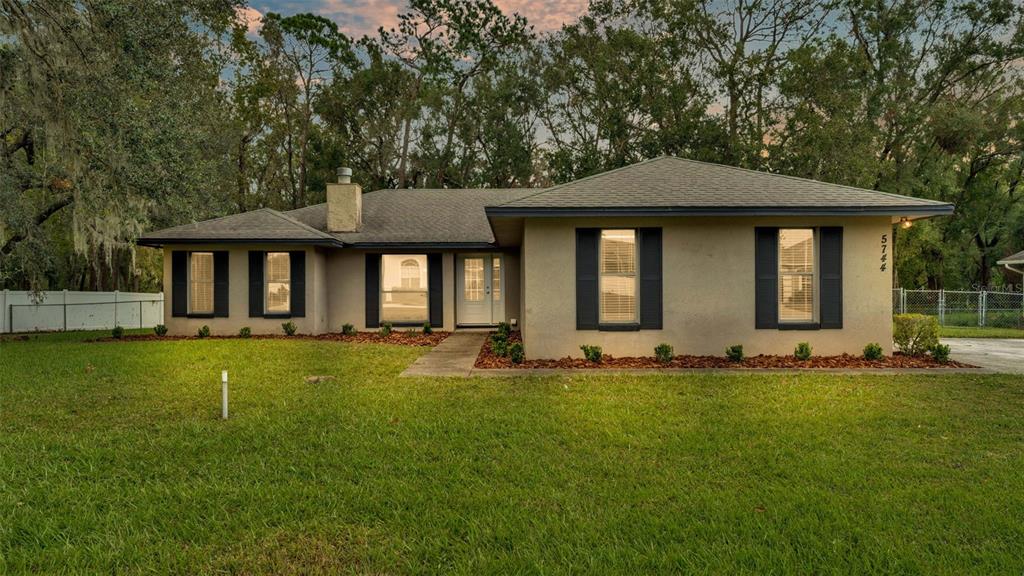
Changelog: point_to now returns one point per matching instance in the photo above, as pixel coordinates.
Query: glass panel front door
(479, 294)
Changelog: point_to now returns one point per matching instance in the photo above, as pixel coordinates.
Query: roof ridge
(592, 176)
(302, 225)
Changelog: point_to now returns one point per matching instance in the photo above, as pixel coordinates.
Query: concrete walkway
(996, 354)
(452, 357)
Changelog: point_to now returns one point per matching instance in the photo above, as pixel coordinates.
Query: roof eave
(158, 242)
(512, 211)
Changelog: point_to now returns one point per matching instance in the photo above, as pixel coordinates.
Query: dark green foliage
(117, 332)
(505, 329)
(735, 353)
(592, 353)
(348, 329)
(289, 328)
(499, 344)
(873, 351)
(940, 352)
(160, 330)
(427, 329)
(515, 353)
(802, 351)
(385, 329)
(204, 331)
(664, 353)
(245, 332)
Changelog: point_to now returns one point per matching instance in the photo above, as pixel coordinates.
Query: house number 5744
(885, 253)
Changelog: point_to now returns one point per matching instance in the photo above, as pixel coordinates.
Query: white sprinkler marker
(224, 394)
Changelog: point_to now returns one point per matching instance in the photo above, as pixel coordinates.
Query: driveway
(999, 354)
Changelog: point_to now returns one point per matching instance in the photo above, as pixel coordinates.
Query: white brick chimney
(344, 203)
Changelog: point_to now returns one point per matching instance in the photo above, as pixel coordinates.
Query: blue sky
(359, 17)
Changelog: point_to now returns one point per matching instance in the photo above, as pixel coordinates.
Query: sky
(359, 17)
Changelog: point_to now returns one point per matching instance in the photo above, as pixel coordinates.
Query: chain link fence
(962, 307)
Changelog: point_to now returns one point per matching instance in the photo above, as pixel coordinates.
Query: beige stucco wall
(238, 293)
(708, 289)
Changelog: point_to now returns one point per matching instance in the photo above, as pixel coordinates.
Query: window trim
(425, 275)
(623, 325)
(189, 313)
(815, 321)
(266, 287)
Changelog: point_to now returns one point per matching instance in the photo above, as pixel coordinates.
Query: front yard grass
(979, 332)
(112, 459)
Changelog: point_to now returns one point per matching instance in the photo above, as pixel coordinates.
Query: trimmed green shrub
(734, 353)
(117, 332)
(289, 328)
(160, 330)
(348, 330)
(505, 329)
(515, 353)
(940, 352)
(915, 334)
(802, 351)
(592, 353)
(385, 329)
(499, 344)
(245, 332)
(664, 353)
(203, 332)
(873, 351)
(427, 328)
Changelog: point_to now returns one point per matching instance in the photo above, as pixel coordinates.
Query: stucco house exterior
(698, 255)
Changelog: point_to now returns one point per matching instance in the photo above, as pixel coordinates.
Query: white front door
(480, 289)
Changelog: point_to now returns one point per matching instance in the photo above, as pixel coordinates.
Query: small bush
(499, 344)
(873, 351)
(664, 353)
(735, 353)
(203, 332)
(940, 352)
(348, 330)
(915, 334)
(117, 332)
(802, 351)
(289, 328)
(515, 353)
(592, 353)
(160, 330)
(427, 329)
(505, 329)
(245, 332)
(385, 329)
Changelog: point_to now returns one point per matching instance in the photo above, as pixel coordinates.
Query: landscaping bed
(407, 338)
(487, 359)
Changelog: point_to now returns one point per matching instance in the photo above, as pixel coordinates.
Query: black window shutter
(435, 289)
(587, 297)
(179, 283)
(831, 277)
(372, 290)
(649, 240)
(255, 284)
(297, 260)
(766, 278)
(220, 283)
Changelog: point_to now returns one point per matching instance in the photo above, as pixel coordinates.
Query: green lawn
(979, 332)
(112, 460)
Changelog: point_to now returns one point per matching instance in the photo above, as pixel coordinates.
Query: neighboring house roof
(1017, 258)
(669, 185)
(417, 217)
(263, 225)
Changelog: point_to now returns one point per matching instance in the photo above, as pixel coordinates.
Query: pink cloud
(545, 15)
(250, 17)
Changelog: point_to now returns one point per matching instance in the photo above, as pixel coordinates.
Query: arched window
(410, 273)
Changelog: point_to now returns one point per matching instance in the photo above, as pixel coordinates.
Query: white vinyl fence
(24, 311)
(963, 308)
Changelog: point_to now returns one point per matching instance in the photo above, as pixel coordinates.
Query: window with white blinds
(796, 275)
(278, 274)
(618, 277)
(200, 283)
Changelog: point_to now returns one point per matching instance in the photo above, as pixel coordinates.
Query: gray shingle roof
(420, 216)
(1017, 258)
(675, 185)
(263, 225)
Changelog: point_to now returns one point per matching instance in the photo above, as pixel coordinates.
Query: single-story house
(698, 255)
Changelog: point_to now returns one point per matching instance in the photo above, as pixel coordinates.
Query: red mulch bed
(487, 359)
(407, 338)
